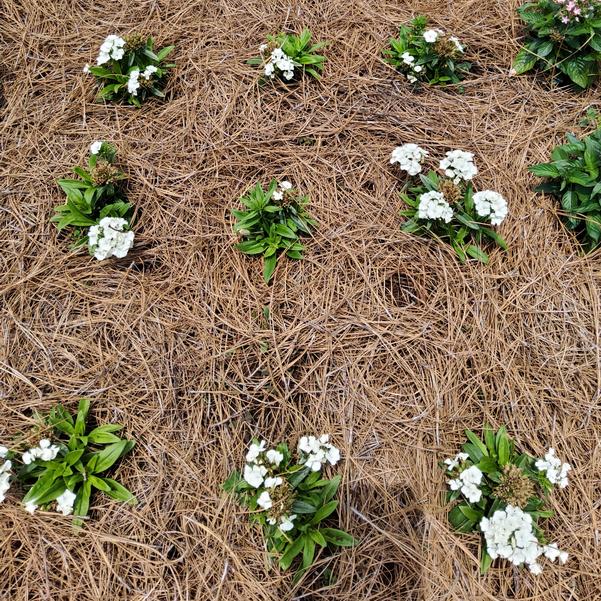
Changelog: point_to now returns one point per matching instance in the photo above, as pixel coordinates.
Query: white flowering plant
(563, 39)
(287, 57)
(63, 472)
(96, 210)
(573, 177)
(502, 493)
(447, 207)
(427, 55)
(272, 223)
(291, 499)
(128, 68)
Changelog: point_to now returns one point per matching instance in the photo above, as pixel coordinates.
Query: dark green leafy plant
(291, 501)
(287, 57)
(129, 69)
(272, 223)
(574, 178)
(491, 476)
(95, 195)
(427, 55)
(563, 39)
(82, 456)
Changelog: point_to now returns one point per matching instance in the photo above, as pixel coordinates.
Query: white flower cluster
(409, 60)
(4, 473)
(431, 36)
(459, 165)
(133, 83)
(112, 48)
(278, 59)
(64, 502)
(432, 205)
(318, 451)
(283, 187)
(95, 147)
(46, 451)
(409, 157)
(491, 204)
(468, 482)
(109, 238)
(556, 471)
(456, 461)
(509, 534)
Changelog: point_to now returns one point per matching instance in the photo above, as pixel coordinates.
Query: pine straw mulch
(380, 338)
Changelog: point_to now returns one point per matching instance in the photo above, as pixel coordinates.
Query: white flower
(432, 205)
(255, 450)
(133, 82)
(288, 75)
(459, 165)
(112, 47)
(453, 463)
(86, 68)
(254, 474)
(264, 500)
(64, 503)
(408, 58)
(263, 48)
(272, 482)
(418, 68)
(535, 568)
(270, 70)
(431, 35)
(30, 506)
(148, 72)
(455, 484)
(27, 458)
(457, 43)
(491, 204)
(274, 457)
(4, 485)
(95, 147)
(3, 452)
(409, 157)
(286, 185)
(277, 195)
(318, 451)
(279, 60)
(411, 78)
(556, 471)
(102, 58)
(286, 522)
(110, 238)
(467, 482)
(552, 552)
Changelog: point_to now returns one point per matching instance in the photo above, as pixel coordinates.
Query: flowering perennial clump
(427, 55)
(447, 207)
(502, 493)
(288, 56)
(562, 39)
(129, 69)
(290, 498)
(96, 210)
(272, 223)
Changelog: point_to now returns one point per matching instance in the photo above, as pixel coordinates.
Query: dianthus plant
(291, 499)
(272, 223)
(287, 57)
(129, 69)
(427, 55)
(574, 178)
(96, 209)
(63, 470)
(501, 493)
(563, 39)
(446, 207)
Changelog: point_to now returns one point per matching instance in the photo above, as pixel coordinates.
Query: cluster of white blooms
(109, 238)
(112, 48)
(556, 471)
(278, 59)
(432, 205)
(318, 451)
(454, 463)
(46, 451)
(133, 83)
(283, 187)
(286, 522)
(409, 60)
(459, 165)
(509, 534)
(64, 503)
(4, 473)
(95, 147)
(409, 157)
(431, 36)
(491, 204)
(468, 482)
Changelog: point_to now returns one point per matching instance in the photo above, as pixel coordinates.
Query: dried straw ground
(380, 338)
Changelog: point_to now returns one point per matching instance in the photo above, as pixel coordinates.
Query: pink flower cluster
(574, 10)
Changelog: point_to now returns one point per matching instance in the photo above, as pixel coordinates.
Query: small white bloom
(264, 500)
(149, 71)
(27, 458)
(408, 58)
(255, 450)
(133, 82)
(556, 471)
(277, 195)
(453, 463)
(3, 452)
(274, 457)
(286, 185)
(64, 503)
(409, 157)
(432, 205)
(286, 522)
(86, 69)
(95, 147)
(30, 506)
(459, 165)
(418, 68)
(269, 69)
(457, 43)
(431, 35)
(411, 78)
(263, 48)
(110, 238)
(273, 482)
(254, 474)
(102, 58)
(455, 484)
(491, 204)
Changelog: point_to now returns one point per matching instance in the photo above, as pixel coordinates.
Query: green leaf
(485, 561)
(81, 505)
(337, 537)
(269, 264)
(293, 550)
(578, 70)
(476, 441)
(477, 253)
(317, 536)
(308, 551)
(524, 61)
(323, 512)
(104, 459)
(99, 483)
(303, 507)
(544, 170)
(503, 449)
(119, 492)
(104, 434)
(82, 416)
